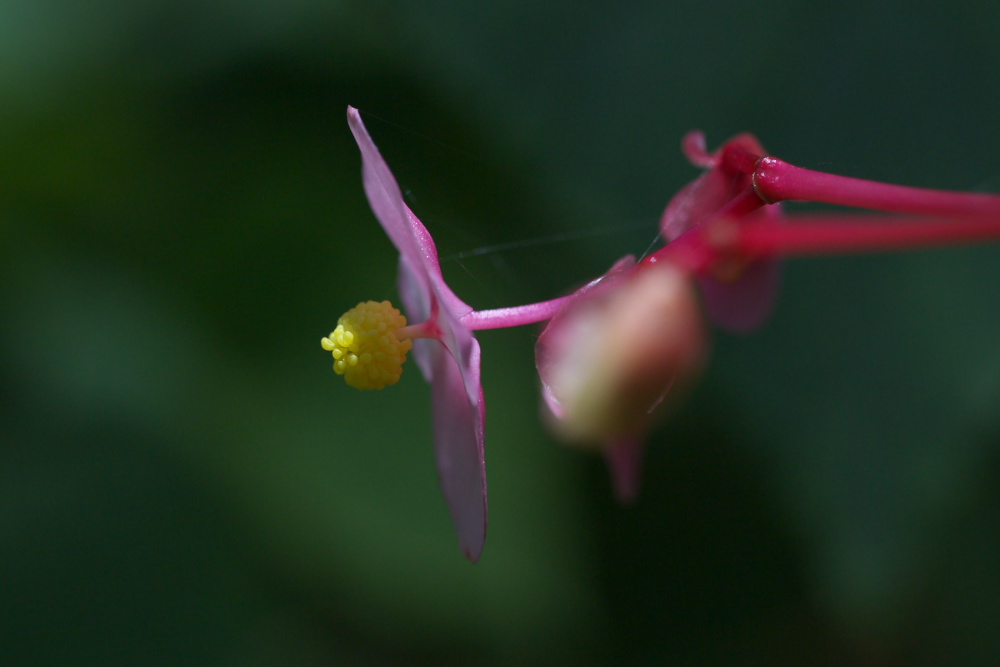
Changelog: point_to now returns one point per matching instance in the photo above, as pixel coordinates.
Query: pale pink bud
(609, 360)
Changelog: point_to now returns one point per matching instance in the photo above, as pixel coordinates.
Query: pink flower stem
(837, 234)
(501, 318)
(776, 180)
(693, 252)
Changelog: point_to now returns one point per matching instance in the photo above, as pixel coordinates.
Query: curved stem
(501, 318)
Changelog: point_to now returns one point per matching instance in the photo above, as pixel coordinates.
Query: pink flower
(371, 349)
(448, 355)
(616, 348)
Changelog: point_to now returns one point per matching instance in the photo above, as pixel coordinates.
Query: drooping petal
(459, 436)
(451, 365)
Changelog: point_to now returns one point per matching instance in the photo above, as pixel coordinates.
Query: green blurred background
(183, 479)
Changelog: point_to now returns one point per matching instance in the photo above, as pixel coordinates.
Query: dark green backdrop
(183, 479)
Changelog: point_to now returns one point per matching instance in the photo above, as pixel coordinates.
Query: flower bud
(610, 358)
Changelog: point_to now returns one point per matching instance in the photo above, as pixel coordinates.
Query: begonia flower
(370, 344)
(449, 356)
(616, 351)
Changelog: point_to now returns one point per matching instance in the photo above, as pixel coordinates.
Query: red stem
(836, 234)
(776, 180)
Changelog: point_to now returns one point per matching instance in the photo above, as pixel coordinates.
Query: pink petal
(459, 428)
(459, 436)
(419, 306)
(385, 197)
(745, 304)
(405, 230)
(690, 206)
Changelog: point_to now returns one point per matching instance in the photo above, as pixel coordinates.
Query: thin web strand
(548, 239)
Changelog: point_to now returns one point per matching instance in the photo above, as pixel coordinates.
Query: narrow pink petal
(459, 435)
(624, 457)
(451, 365)
(405, 230)
(688, 207)
(384, 194)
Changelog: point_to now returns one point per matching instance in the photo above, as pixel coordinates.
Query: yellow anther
(367, 352)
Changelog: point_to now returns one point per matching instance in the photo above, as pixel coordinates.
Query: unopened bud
(609, 361)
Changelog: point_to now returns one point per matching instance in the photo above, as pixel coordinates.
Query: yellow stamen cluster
(365, 348)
